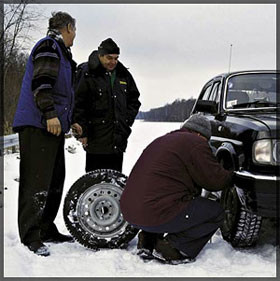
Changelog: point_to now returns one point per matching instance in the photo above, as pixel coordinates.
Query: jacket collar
(95, 65)
(56, 35)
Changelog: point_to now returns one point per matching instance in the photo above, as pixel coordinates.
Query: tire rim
(98, 210)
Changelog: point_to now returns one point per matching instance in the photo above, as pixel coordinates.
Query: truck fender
(227, 154)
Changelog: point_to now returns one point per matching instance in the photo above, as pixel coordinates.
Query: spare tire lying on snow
(92, 211)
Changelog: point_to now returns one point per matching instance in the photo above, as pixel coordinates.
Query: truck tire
(241, 228)
(92, 211)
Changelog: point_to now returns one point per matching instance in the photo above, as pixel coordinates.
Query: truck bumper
(259, 193)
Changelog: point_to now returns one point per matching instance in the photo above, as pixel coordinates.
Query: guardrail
(11, 141)
(8, 141)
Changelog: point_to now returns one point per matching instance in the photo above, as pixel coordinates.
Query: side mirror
(206, 106)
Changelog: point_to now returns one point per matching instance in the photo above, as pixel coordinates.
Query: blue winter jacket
(28, 114)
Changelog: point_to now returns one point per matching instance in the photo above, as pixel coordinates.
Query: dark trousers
(192, 228)
(104, 161)
(42, 173)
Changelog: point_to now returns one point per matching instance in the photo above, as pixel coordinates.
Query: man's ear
(69, 26)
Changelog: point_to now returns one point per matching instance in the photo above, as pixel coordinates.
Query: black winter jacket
(105, 113)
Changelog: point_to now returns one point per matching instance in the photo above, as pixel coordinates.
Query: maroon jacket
(168, 174)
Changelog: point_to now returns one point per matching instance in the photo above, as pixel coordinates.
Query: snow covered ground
(217, 259)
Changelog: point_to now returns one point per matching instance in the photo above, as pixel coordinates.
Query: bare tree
(18, 20)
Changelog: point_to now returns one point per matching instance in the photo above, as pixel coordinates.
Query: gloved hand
(77, 130)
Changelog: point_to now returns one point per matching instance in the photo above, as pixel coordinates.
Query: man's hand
(77, 130)
(84, 141)
(54, 126)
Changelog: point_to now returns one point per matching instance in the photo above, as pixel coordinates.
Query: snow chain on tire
(247, 229)
(241, 228)
(92, 211)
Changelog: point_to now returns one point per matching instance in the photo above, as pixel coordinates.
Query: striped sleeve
(46, 63)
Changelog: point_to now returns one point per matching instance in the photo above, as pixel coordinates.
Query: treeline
(177, 111)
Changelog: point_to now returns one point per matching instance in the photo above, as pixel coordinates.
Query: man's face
(72, 32)
(69, 34)
(109, 61)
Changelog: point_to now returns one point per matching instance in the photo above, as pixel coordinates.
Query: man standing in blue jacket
(42, 117)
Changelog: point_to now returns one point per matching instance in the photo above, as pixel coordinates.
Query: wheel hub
(104, 210)
(98, 210)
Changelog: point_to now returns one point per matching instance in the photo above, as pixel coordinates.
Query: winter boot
(145, 245)
(38, 248)
(166, 253)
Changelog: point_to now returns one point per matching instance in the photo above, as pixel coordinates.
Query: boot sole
(160, 258)
(41, 252)
(145, 254)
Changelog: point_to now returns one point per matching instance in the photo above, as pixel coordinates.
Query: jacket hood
(94, 63)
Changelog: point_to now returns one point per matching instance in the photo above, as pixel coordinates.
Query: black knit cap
(108, 46)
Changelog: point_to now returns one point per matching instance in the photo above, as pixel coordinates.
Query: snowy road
(217, 259)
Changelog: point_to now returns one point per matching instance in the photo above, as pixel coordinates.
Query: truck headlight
(276, 151)
(266, 151)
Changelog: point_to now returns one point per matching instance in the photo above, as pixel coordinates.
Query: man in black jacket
(105, 107)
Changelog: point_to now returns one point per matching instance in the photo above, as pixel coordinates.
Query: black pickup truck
(244, 108)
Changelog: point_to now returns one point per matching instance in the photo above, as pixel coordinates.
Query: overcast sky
(173, 49)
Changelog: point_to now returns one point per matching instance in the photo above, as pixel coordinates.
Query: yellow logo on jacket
(123, 83)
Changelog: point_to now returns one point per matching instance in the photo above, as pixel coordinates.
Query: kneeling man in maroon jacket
(162, 194)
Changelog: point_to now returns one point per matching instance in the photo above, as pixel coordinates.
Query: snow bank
(217, 259)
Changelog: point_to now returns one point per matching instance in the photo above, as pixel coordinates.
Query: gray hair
(60, 19)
